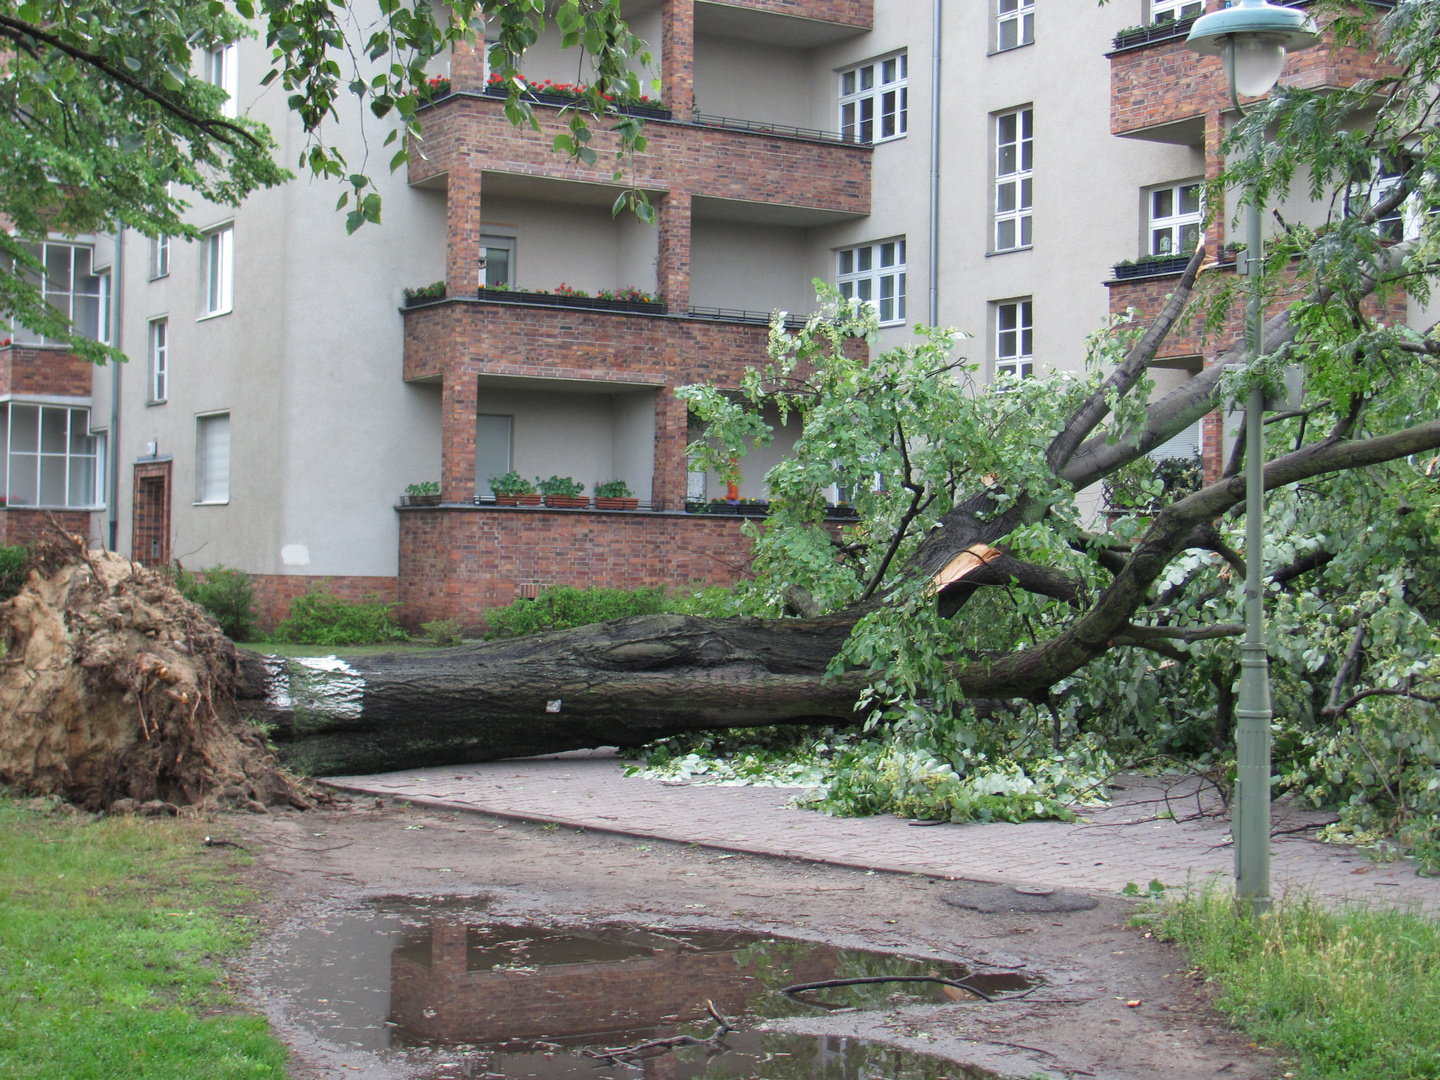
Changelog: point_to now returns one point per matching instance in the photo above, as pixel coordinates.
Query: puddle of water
(525, 1000)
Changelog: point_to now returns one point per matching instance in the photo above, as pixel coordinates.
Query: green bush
(563, 606)
(442, 632)
(14, 569)
(322, 618)
(225, 593)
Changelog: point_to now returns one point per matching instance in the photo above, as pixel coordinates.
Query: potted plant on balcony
(512, 489)
(425, 493)
(615, 495)
(563, 493)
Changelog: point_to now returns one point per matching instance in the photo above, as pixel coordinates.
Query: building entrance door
(150, 524)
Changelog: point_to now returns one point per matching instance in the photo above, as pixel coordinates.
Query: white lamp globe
(1253, 62)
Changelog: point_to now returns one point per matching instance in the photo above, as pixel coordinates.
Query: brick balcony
(857, 13)
(1162, 90)
(31, 369)
(457, 340)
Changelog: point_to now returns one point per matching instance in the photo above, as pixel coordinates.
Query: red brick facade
(457, 561)
(28, 369)
(1166, 83)
(274, 593)
(20, 526)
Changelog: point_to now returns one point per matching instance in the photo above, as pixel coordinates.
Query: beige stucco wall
(585, 247)
(745, 80)
(752, 267)
(590, 436)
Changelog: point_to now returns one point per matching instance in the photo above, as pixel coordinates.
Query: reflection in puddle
(528, 999)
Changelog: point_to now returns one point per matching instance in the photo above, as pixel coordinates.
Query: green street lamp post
(1251, 39)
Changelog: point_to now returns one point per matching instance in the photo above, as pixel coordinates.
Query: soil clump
(117, 693)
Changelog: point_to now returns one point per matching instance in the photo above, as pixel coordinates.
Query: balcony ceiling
(566, 386)
(548, 189)
(706, 208)
(746, 24)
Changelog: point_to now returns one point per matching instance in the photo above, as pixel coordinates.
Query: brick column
(673, 270)
(677, 57)
(457, 435)
(672, 418)
(467, 67)
(448, 941)
(462, 229)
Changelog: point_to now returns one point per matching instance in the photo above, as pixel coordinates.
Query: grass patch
(110, 936)
(1354, 994)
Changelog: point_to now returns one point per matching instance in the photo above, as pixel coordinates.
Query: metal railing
(738, 315)
(812, 134)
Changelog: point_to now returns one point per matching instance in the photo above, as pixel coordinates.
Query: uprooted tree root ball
(115, 687)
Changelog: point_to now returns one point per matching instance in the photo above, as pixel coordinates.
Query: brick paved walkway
(1154, 829)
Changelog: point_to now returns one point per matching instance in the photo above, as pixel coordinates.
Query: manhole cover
(998, 898)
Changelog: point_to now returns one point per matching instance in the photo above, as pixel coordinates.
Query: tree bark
(619, 683)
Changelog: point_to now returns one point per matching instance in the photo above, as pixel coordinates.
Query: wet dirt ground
(329, 867)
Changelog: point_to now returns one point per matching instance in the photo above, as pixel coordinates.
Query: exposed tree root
(114, 687)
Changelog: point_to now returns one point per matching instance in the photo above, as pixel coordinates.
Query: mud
(329, 866)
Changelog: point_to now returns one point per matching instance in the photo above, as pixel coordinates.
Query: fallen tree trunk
(619, 683)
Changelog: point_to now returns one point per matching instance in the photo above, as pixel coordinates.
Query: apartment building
(981, 165)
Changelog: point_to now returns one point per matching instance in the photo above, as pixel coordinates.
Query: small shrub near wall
(322, 618)
(225, 593)
(563, 606)
(14, 569)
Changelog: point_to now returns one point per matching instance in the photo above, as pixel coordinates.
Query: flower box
(1151, 267)
(589, 303)
(1136, 36)
(420, 500)
(542, 97)
(532, 499)
(604, 502)
(568, 502)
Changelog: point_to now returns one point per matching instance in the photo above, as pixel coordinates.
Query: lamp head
(1252, 38)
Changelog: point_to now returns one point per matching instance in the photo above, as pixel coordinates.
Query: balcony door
(494, 437)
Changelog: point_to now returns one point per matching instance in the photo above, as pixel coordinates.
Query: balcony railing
(1148, 35)
(786, 130)
(739, 315)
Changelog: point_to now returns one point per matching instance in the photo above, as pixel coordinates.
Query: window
(493, 439)
(875, 93)
(219, 261)
(1014, 24)
(159, 360)
(875, 274)
(50, 456)
(70, 285)
(222, 70)
(212, 458)
(498, 269)
(1164, 11)
(1175, 219)
(1403, 222)
(1014, 339)
(1014, 171)
(159, 257)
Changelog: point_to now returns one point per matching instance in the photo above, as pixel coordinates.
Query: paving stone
(1170, 829)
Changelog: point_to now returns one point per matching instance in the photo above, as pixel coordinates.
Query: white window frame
(1164, 11)
(159, 257)
(875, 99)
(1014, 179)
(64, 299)
(1177, 222)
(1015, 19)
(1015, 337)
(1405, 222)
(217, 283)
(82, 465)
(212, 486)
(875, 274)
(222, 69)
(159, 373)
